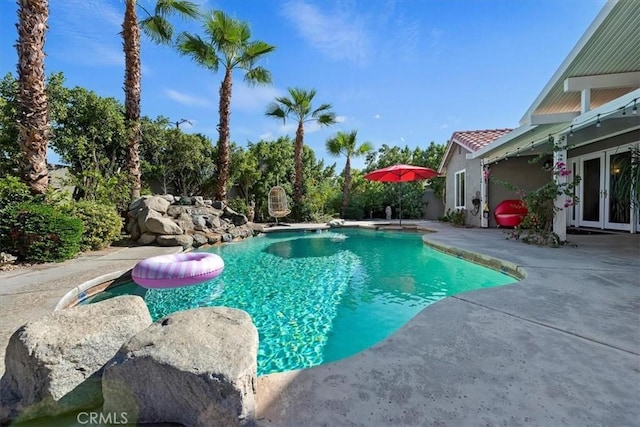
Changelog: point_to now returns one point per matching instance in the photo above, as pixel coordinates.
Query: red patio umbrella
(401, 173)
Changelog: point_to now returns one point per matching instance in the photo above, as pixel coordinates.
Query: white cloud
(341, 119)
(185, 99)
(377, 116)
(451, 121)
(253, 99)
(402, 139)
(340, 35)
(87, 32)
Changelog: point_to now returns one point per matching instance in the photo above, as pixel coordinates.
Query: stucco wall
(516, 171)
(457, 162)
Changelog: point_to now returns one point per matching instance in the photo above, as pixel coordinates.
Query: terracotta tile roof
(474, 140)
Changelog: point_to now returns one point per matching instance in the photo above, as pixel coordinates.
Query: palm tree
(345, 144)
(298, 105)
(32, 99)
(229, 45)
(158, 28)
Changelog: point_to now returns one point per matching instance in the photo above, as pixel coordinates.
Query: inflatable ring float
(172, 271)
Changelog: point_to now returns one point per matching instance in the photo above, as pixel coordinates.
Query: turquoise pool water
(317, 297)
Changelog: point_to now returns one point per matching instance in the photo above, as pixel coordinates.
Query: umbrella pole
(400, 202)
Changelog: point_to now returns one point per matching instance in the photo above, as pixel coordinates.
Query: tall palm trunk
(297, 155)
(223, 139)
(347, 185)
(131, 43)
(32, 98)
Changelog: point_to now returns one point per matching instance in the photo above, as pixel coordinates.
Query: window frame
(457, 196)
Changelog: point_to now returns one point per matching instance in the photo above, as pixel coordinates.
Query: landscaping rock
(162, 226)
(195, 367)
(147, 239)
(54, 365)
(184, 240)
(136, 205)
(199, 220)
(256, 228)
(198, 200)
(199, 239)
(213, 221)
(133, 228)
(157, 203)
(213, 238)
(7, 258)
(193, 215)
(176, 211)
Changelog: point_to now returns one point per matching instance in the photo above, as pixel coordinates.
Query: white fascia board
(549, 119)
(602, 81)
(608, 7)
(446, 156)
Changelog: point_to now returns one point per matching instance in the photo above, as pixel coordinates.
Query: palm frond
(364, 148)
(258, 76)
(321, 110)
(325, 119)
(335, 147)
(255, 50)
(157, 28)
(274, 109)
(184, 9)
(198, 49)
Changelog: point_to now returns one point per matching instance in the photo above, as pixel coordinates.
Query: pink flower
(568, 202)
(560, 165)
(564, 172)
(486, 173)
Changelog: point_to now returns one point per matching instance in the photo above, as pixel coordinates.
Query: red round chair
(509, 213)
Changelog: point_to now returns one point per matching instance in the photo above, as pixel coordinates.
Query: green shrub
(13, 191)
(102, 223)
(239, 205)
(457, 217)
(39, 233)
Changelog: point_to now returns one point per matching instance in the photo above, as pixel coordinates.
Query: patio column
(484, 197)
(560, 217)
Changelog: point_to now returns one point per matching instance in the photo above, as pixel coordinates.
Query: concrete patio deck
(561, 347)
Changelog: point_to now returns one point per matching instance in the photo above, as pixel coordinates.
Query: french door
(600, 204)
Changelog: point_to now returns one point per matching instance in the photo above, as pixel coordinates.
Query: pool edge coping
(497, 264)
(89, 288)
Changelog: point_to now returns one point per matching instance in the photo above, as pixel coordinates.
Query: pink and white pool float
(172, 271)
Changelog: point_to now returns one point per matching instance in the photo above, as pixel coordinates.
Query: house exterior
(462, 191)
(585, 117)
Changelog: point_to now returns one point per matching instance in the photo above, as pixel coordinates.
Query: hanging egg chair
(278, 203)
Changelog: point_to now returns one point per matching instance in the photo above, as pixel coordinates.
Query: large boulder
(199, 239)
(184, 240)
(162, 225)
(54, 365)
(146, 239)
(157, 203)
(195, 367)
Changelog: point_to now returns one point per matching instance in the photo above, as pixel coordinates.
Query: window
(459, 190)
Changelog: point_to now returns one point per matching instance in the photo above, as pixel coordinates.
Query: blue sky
(401, 72)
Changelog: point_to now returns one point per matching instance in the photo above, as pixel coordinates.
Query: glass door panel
(618, 213)
(591, 192)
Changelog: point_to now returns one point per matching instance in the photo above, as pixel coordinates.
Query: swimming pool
(317, 297)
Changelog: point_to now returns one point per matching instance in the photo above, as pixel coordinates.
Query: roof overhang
(528, 139)
(603, 65)
(525, 140)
